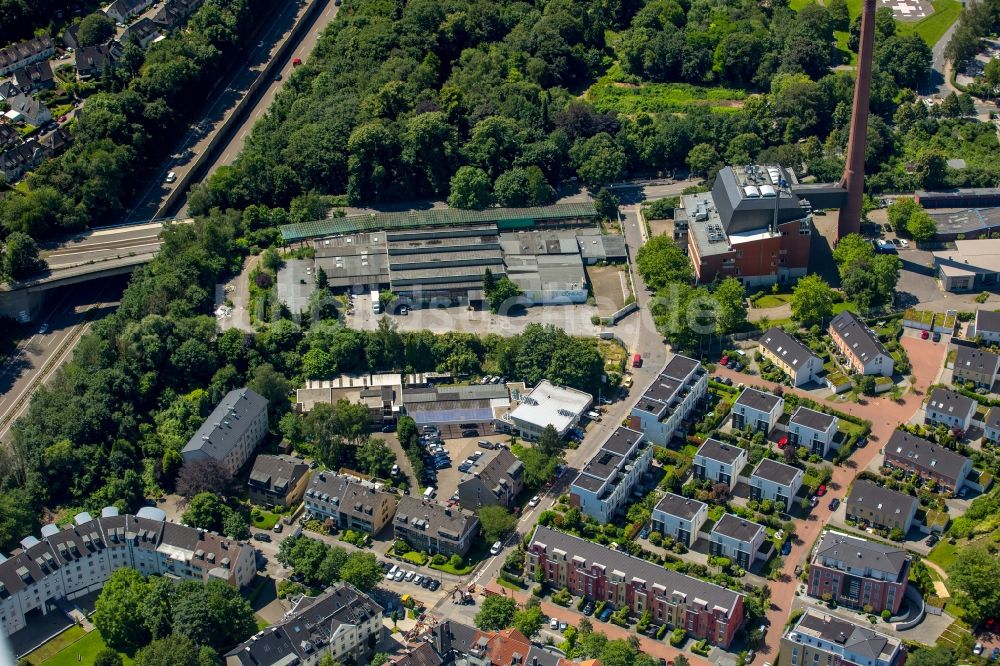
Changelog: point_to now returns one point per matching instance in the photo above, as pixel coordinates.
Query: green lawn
(264, 520)
(943, 554)
(846, 305)
(83, 651)
(773, 300)
(931, 28)
(67, 637)
(416, 557)
(457, 571)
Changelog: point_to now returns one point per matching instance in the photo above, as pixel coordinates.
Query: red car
(296, 62)
(924, 335)
(783, 442)
(821, 491)
(724, 360)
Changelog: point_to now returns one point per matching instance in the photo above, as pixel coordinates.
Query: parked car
(418, 579)
(786, 548)
(261, 536)
(483, 444)
(296, 62)
(553, 623)
(391, 574)
(931, 540)
(644, 534)
(821, 491)
(936, 337)
(563, 626)
(978, 650)
(435, 584)
(470, 433)
(834, 503)
(924, 335)
(409, 576)
(534, 501)
(606, 613)
(783, 442)
(171, 177)
(724, 360)
(588, 608)
(277, 528)
(496, 548)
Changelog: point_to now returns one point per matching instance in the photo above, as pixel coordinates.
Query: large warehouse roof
(504, 217)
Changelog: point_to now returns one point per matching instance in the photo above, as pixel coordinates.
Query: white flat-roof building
(680, 518)
(972, 265)
(548, 404)
(813, 430)
(664, 407)
(757, 410)
(608, 479)
(740, 540)
(718, 462)
(775, 481)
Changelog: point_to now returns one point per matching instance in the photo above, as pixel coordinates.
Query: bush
(439, 559)
(677, 636)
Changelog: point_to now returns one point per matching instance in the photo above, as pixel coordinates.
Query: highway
(226, 96)
(37, 358)
(103, 245)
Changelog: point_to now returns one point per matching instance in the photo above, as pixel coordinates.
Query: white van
(429, 493)
(171, 177)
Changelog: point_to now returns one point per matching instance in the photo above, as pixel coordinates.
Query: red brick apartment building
(750, 226)
(602, 574)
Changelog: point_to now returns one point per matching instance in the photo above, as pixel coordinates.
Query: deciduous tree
(812, 301)
(496, 613)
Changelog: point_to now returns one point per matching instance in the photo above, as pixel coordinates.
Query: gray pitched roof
(987, 320)
(972, 359)
(785, 347)
(351, 497)
(453, 521)
(810, 418)
(993, 418)
(857, 552)
(737, 528)
(634, 567)
(772, 470)
(855, 638)
(878, 498)
(921, 453)
(227, 423)
(950, 402)
(682, 507)
(270, 471)
(759, 400)
(313, 622)
(862, 340)
(495, 468)
(716, 450)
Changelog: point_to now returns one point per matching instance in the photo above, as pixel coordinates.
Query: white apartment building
(680, 518)
(609, 477)
(665, 406)
(231, 432)
(758, 410)
(813, 430)
(951, 409)
(71, 562)
(775, 481)
(549, 405)
(719, 462)
(740, 540)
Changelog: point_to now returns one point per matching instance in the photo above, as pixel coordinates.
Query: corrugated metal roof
(434, 217)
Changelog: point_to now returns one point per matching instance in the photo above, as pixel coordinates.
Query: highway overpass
(93, 255)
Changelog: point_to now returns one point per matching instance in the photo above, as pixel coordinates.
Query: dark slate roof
(926, 455)
(754, 399)
(421, 655)
(453, 521)
(33, 75)
(857, 552)
(737, 528)
(810, 418)
(777, 472)
(682, 507)
(496, 468)
(679, 367)
(352, 498)
(269, 471)
(862, 340)
(785, 347)
(227, 423)
(309, 628)
(857, 639)
(993, 418)
(877, 498)
(949, 402)
(716, 450)
(972, 359)
(987, 320)
(635, 567)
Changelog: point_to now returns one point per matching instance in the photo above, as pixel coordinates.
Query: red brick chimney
(854, 169)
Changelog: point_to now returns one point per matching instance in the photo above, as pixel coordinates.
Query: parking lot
(458, 450)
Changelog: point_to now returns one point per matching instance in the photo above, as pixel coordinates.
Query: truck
(636, 361)
(376, 305)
